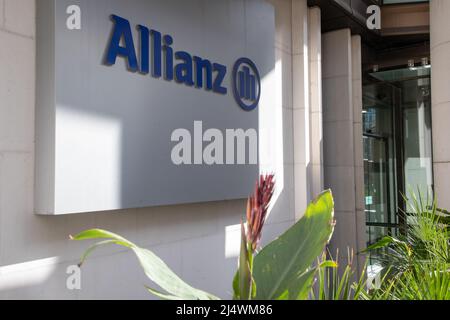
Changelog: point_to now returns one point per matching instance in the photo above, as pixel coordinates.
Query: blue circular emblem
(246, 84)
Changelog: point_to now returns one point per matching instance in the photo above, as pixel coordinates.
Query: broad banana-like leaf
(283, 269)
(155, 269)
(301, 288)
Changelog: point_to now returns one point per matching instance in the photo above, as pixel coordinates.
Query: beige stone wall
(316, 169)
(307, 103)
(200, 242)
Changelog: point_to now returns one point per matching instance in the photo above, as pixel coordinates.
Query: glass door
(378, 200)
(397, 145)
(417, 138)
(379, 161)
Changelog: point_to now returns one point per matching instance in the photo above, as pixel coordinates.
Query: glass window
(418, 164)
(379, 157)
(397, 144)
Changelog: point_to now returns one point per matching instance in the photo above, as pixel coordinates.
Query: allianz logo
(158, 58)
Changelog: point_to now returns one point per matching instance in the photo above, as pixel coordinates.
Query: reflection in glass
(379, 158)
(416, 104)
(397, 145)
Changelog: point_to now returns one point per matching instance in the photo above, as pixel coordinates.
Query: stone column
(343, 136)
(300, 84)
(316, 111)
(440, 91)
(361, 241)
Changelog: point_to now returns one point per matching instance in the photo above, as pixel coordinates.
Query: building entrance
(397, 145)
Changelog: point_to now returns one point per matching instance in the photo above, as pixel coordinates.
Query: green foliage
(336, 284)
(424, 281)
(283, 269)
(244, 285)
(418, 261)
(155, 269)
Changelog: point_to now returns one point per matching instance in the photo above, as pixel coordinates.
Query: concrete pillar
(342, 109)
(361, 240)
(316, 110)
(440, 84)
(300, 83)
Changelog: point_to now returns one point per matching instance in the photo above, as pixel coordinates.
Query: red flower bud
(257, 207)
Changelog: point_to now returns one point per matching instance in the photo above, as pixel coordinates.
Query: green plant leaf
(155, 269)
(383, 243)
(244, 274)
(244, 286)
(161, 295)
(283, 268)
(236, 290)
(328, 264)
(300, 289)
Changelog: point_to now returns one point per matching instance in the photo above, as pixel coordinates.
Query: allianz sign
(181, 66)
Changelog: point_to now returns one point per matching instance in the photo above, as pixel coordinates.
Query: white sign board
(147, 102)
